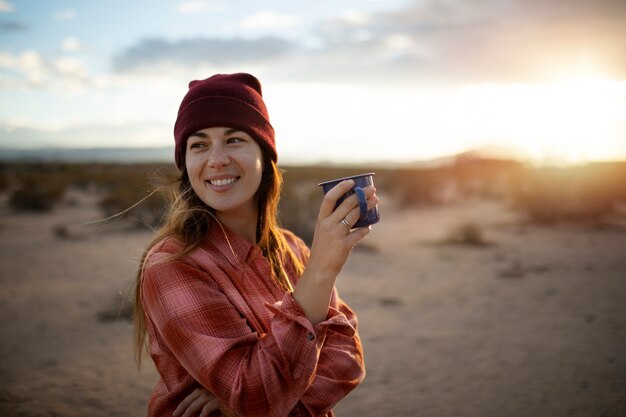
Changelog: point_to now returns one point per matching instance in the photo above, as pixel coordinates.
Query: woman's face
(225, 167)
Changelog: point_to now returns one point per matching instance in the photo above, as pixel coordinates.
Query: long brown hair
(189, 219)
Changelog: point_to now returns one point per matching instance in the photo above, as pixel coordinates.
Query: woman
(234, 318)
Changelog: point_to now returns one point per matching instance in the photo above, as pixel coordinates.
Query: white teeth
(221, 183)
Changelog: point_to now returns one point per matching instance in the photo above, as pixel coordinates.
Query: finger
(372, 202)
(356, 235)
(331, 197)
(188, 400)
(195, 407)
(370, 190)
(352, 212)
(209, 408)
(355, 214)
(353, 200)
(372, 199)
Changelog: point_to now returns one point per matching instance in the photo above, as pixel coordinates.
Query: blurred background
(495, 283)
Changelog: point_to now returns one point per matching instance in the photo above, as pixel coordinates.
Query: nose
(218, 157)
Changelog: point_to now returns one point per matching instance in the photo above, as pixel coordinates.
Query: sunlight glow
(570, 122)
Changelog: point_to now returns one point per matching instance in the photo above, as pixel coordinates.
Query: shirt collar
(233, 247)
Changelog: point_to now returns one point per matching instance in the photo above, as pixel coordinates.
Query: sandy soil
(532, 323)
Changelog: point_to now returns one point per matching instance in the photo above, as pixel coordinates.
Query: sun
(573, 121)
(582, 120)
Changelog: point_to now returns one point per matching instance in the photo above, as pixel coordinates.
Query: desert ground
(521, 320)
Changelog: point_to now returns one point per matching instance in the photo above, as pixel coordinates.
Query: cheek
(193, 172)
(192, 166)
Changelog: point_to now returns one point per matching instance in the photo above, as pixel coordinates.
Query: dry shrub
(484, 178)
(413, 187)
(466, 234)
(38, 186)
(298, 212)
(299, 202)
(37, 191)
(545, 194)
(139, 193)
(585, 193)
(4, 180)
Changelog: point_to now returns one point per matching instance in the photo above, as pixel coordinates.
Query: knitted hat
(229, 100)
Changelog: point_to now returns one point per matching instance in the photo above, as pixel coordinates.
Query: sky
(345, 81)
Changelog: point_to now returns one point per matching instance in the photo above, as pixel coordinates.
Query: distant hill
(120, 155)
(166, 153)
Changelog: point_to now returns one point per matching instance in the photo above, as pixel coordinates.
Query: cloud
(6, 7)
(28, 64)
(475, 41)
(31, 70)
(426, 41)
(490, 41)
(12, 26)
(72, 44)
(65, 15)
(267, 19)
(199, 51)
(70, 67)
(192, 7)
(86, 135)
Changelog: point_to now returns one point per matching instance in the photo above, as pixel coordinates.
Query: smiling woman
(238, 315)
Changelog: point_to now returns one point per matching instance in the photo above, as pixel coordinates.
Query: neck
(243, 224)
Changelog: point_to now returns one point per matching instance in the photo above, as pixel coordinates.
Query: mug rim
(347, 178)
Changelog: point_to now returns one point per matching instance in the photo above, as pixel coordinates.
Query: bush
(584, 193)
(4, 181)
(139, 203)
(466, 234)
(413, 187)
(298, 210)
(38, 191)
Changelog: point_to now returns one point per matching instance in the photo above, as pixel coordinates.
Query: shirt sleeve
(250, 374)
(340, 368)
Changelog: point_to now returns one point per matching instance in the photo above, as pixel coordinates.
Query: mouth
(222, 182)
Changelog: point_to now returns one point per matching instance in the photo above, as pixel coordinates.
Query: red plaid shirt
(217, 319)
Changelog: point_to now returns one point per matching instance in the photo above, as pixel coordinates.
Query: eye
(196, 145)
(234, 140)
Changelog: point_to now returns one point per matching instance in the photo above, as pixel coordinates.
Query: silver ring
(345, 223)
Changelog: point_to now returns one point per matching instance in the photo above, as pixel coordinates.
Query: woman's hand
(332, 243)
(333, 240)
(199, 401)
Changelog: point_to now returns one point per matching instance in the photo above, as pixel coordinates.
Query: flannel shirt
(215, 318)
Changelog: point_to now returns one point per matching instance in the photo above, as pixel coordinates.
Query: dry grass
(586, 193)
(466, 234)
(548, 195)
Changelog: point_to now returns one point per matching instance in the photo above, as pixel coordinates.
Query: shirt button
(310, 336)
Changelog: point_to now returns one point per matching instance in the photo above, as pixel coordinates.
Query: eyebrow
(204, 135)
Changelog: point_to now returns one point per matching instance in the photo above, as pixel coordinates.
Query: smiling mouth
(223, 182)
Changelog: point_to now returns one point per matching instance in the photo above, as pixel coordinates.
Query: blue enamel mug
(361, 181)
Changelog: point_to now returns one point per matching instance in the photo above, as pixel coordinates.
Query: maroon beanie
(229, 100)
